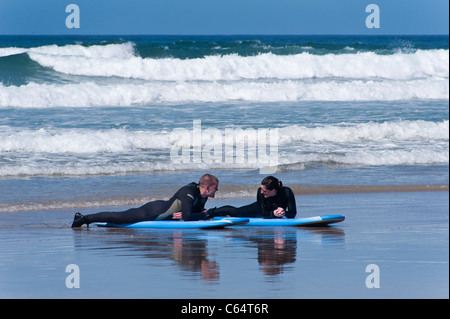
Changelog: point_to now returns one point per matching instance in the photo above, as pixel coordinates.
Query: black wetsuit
(186, 200)
(263, 207)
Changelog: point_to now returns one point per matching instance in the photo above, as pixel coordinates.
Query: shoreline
(226, 192)
(301, 190)
(229, 191)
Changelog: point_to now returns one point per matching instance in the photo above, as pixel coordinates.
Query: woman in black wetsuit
(188, 203)
(273, 200)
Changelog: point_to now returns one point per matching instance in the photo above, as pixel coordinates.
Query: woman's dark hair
(271, 183)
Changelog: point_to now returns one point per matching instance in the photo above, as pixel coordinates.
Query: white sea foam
(118, 60)
(119, 51)
(365, 132)
(127, 94)
(80, 141)
(288, 161)
(267, 77)
(11, 51)
(118, 151)
(360, 158)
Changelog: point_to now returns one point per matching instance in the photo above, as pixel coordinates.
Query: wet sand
(339, 189)
(404, 234)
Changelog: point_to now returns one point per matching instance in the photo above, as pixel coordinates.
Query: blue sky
(224, 17)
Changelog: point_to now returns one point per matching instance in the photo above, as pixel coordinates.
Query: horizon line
(218, 34)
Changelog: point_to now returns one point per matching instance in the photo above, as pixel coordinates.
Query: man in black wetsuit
(273, 200)
(188, 203)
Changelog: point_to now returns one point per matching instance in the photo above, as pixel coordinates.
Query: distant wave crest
(119, 60)
(115, 75)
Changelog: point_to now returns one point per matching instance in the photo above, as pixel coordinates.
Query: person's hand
(205, 211)
(178, 215)
(279, 212)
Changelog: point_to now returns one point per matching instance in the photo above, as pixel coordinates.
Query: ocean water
(357, 126)
(91, 121)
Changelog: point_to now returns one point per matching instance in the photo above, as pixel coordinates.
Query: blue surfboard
(175, 224)
(322, 220)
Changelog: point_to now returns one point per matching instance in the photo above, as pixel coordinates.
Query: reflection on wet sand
(192, 255)
(276, 247)
(274, 253)
(188, 251)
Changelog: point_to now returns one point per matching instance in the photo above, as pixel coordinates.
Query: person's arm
(187, 198)
(291, 210)
(260, 199)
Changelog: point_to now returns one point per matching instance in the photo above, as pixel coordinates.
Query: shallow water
(404, 234)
